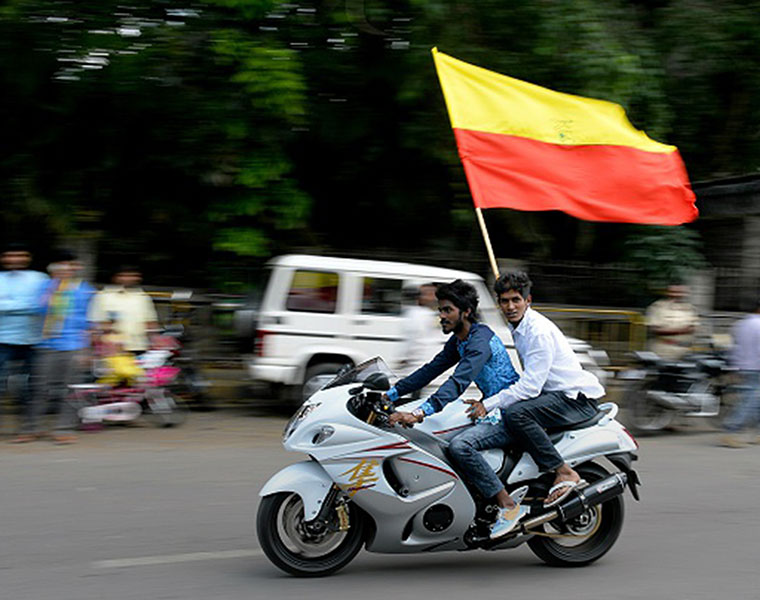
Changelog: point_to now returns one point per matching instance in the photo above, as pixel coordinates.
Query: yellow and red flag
(530, 148)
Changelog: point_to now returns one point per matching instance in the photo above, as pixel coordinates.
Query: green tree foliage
(160, 129)
(242, 128)
(711, 51)
(664, 255)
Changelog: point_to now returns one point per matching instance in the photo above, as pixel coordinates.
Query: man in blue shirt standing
(480, 357)
(65, 340)
(19, 323)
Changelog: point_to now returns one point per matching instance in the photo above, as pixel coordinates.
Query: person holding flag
(527, 147)
(553, 391)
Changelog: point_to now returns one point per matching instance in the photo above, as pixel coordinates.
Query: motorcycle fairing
(307, 479)
(397, 485)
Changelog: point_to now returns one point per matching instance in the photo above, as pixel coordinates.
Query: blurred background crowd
(200, 140)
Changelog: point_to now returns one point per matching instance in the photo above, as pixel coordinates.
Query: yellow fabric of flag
(481, 100)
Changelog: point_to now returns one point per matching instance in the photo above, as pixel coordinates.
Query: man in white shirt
(553, 390)
(424, 337)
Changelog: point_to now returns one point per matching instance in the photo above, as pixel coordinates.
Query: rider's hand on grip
(404, 418)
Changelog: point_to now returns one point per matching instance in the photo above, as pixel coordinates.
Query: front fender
(307, 479)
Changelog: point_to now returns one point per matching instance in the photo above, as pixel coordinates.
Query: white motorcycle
(395, 490)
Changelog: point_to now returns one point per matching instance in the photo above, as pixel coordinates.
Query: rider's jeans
(747, 412)
(526, 422)
(523, 423)
(465, 450)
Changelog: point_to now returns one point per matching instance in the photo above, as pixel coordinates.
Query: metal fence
(617, 332)
(210, 321)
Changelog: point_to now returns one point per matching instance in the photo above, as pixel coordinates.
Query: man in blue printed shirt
(480, 357)
(63, 349)
(20, 322)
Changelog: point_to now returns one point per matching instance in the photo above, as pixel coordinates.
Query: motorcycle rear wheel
(279, 525)
(647, 415)
(603, 523)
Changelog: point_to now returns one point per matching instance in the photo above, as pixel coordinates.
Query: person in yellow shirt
(130, 308)
(120, 368)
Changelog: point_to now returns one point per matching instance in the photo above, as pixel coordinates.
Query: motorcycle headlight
(297, 418)
(324, 433)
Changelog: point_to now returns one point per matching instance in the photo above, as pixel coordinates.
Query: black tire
(604, 534)
(730, 396)
(270, 529)
(646, 416)
(191, 388)
(315, 377)
(165, 411)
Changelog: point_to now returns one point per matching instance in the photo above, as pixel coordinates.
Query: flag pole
(487, 240)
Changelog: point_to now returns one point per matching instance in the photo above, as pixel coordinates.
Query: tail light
(632, 438)
(258, 344)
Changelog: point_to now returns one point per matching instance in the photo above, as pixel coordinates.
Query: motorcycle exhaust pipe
(591, 495)
(581, 500)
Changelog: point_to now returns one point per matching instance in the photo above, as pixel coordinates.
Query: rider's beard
(458, 326)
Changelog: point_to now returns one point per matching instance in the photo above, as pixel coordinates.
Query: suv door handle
(360, 321)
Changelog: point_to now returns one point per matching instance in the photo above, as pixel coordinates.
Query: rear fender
(578, 446)
(307, 479)
(622, 461)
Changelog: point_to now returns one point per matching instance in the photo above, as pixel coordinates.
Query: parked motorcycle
(395, 490)
(659, 391)
(190, 383)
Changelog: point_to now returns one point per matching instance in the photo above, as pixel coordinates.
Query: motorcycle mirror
(378, 382)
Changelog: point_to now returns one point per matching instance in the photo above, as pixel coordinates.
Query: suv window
(313, 291)
(381, 296)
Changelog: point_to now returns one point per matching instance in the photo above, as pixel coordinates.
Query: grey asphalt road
(137, 512)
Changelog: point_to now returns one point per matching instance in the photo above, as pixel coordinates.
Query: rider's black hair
(462, 295)
(516, 280)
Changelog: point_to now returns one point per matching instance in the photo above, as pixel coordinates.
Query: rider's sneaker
(508, 520)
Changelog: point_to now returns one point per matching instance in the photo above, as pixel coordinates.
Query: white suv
(319, 313)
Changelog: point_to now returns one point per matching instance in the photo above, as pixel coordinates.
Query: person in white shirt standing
(553, 391)
(424, 337)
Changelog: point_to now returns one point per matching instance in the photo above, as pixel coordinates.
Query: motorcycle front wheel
(164, 409)
(283, 538)
(586, 538)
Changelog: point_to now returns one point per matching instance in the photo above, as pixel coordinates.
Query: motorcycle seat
(556, 432)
